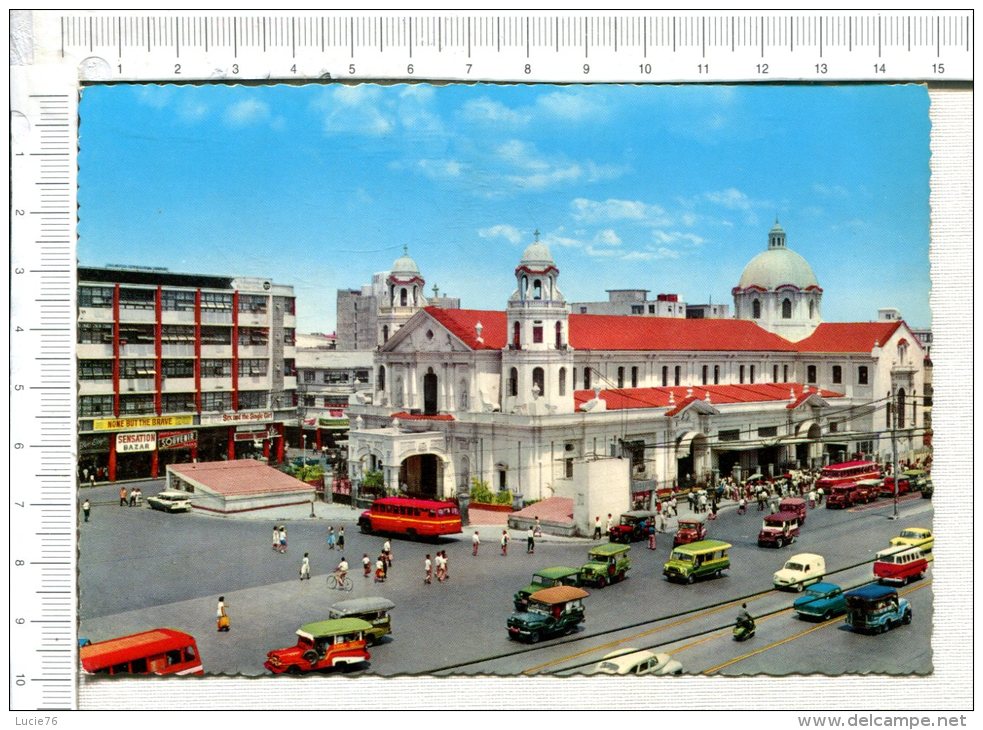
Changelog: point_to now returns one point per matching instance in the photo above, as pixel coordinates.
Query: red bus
(849, 472)
(413, 517)
(158, 651)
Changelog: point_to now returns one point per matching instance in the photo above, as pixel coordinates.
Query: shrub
(372, 480)
(480, 492)
(503, 497)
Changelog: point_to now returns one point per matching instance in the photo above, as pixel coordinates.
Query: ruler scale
(98, 47)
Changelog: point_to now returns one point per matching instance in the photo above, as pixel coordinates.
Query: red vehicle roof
(848, 336)
(414, 502)
(127, 648)
(849, 465)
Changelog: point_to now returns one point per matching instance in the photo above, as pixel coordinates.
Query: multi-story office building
(180, 367)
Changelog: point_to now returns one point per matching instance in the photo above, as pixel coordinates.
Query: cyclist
(341, 572)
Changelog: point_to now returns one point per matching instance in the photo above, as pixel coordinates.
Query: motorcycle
(744, 630)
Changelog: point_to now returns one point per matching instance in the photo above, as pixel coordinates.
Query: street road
(141, 569)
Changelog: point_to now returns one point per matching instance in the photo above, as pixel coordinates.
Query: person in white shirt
(305, 568)
(475, 542)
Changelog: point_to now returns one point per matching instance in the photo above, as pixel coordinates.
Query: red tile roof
(624, 332)
(235, 478)
(848, 336)
(622, 398)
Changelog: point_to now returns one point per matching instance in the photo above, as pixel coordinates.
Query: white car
(634, 661)
(171, 501)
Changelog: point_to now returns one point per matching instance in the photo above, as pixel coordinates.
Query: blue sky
(666, 188)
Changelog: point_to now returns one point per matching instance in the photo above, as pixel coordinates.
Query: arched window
(537, 289)
(752, 374)
(462, 394)
(538, 381)
(385, 333)
(676, 373)
(587, 378)
(837, 373)
(812, 309)
(705, 372)
(741, 376)
(523, 286)
(621, 377)
(516, 330)
(786, 309)
(563, 381)
(634, 376)
(559, 335)
(415, 302)
(380, 382)
(902, 352)
(756, 309)
(784, 373)
(716, 375)
(774, 374)
(901, 404)
(513, 382)
(665, 375)
(402, 297)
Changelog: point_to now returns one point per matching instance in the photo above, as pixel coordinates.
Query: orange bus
(158, 651)
(413, 517)
(848, 472)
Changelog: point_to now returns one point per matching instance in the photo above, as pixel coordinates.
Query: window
(258, 399)
(837, 374)
(537, 333)
(216, 368)
(784, 373)
(216, 335)
(256, 304)
(95, 296)
(289, 336)
(638, 309)
(741, 376)
(462, 394)
(95, 369)
(786, 309)
(335, 377)
(812, 309)
(178, 403)
(253, 368)
(862, 375)
(308, 376)
(361, 376)
(704, 372)
(177, 334)
(756, 309)
(177, 300)
(732, 435)
(513, 382)
(216, 302)
(568, 468)
(178, 368)
(95, 333)
(253, 336)
(766, 432)
(516, 335)
(810, 373)
(402, 297)
(96, 405)
(137, 298)
(538, 380)
(380, 383)
(587, 378)
(583, 310)
(216, 401)
(751, 378)
(537, 289)
(137, 368)
(901, 408)
(621, 377)
(563, 381)
(136, 334)
(716, 375)
(130, 404)
(634, 376)
(651, 309)
(289, 305)
(665, 375)
(289, 368)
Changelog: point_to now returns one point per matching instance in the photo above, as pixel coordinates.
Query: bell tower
(537, 362)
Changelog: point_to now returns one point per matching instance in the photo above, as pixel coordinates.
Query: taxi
(915, 537)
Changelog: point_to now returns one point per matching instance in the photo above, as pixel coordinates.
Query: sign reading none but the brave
(176, 440)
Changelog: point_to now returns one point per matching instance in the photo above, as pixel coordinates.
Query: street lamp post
(894, 450)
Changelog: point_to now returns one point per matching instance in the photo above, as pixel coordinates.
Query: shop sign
(126, 424)
(239, 417)
(127, 442)
(332, 422)
(253, 434)
(176, 440)
(93, 444)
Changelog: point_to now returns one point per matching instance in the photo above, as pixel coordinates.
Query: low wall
(219, 505)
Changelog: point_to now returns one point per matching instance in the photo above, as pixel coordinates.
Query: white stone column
(412, 401)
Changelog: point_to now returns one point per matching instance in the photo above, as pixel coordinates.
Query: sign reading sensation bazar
(126, 442)
(124, 424)
(241, 417)
(176, 440)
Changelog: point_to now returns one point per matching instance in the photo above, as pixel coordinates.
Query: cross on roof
(536, 234)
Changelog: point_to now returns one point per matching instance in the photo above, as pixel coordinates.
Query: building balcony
(137, 385)
(142, 316)
(88, 351)
(178, 385)
(254, 382)
(134, 350)
(177, 317)
(95, 387)
(254, 319)
(185, 349)
(253, 351)
(216, 384)
(216, 352)
(95, 314)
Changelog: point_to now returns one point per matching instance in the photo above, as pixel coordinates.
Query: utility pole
(894, 449)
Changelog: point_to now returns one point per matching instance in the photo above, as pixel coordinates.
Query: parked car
(635, 662)
(697, 560)
(559, 575)
(322, 645)
(876, 608)
(867, 490)
(606, 563)
(779, 529)
(632, 527)
(550, 612)
(691, 529)
(800, 571)
(820, 600)
(372, 609)
(171, 500)
(841, 496)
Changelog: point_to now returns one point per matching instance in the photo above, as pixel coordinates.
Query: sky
(667, 188)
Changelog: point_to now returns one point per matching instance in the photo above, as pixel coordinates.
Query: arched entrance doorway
(692, 459)
(422, 475)
(808, 454)
(430, 392)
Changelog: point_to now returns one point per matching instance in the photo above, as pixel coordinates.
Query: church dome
(537, 254)
(405, 265)
(777, 265)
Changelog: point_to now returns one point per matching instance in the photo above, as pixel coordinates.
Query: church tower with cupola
(403, 297)
(537, 362)
(779, 291)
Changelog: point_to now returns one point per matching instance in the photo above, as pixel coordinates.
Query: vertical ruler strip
(43, 515)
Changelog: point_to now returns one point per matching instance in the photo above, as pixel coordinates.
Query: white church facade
(604, 409)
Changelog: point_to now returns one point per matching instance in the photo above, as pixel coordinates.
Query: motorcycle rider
(744, 619)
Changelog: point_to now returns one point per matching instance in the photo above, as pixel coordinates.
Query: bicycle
(345, 585)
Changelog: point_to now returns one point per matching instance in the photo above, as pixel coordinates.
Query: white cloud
(489, 111)
(247, 111)
(830, 191)
(509, 233)
(156, 96)
(191, 110)
(676, 237)
(731, 198)
(570, 106)
(607, 237)
(612, 209)
(651, 254)
(441, 169)
(539, 180)
(602, 252)
(557, 239)
(355, 110)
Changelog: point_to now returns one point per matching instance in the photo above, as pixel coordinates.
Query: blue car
(820, 600)
(876, 608)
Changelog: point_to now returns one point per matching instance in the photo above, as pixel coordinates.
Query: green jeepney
(607, 563)
(697, 560)
(546, 578)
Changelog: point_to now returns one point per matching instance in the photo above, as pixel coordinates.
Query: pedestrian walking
(341, 538)
(133, 496)
(597, 527)
(276, 537)
(742, 506)
(305, 568)
(475, 542)
(222, 621)
(380, 570)
(92, 479)
(505, 542)
(439, 562)
(122, 497)
(283, 538)
(387, 551)
(366, 565)
(608, 525)
(819, 496)
(537, 528)
(530, 541)
(660, 522)
(812, 499)
(85, 509)
(385, 566)
(447, 570)
(330, 538)
(85, 474)
(427, 570)
(651, 527)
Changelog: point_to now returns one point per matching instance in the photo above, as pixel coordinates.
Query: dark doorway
(430, 393)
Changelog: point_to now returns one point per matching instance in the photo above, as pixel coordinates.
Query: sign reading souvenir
(176, 440)
(240, 417)
(127, 442)
(124, 424)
